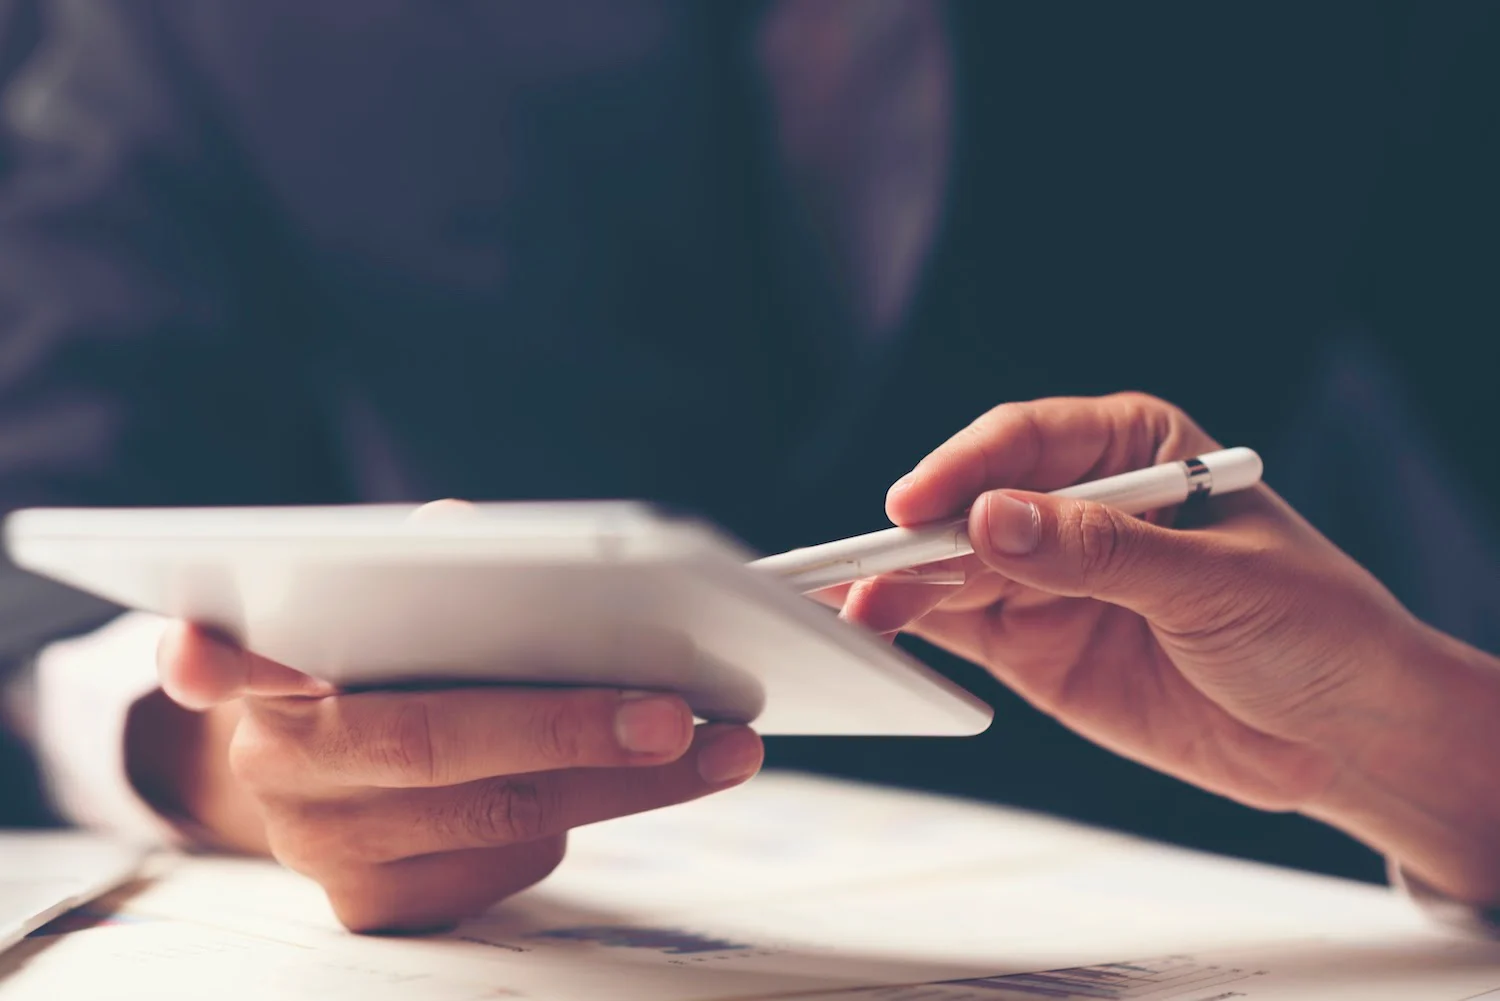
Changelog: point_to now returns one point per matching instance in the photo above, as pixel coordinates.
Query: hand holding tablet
(579, 594)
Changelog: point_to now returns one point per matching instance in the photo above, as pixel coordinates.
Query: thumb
(198, 670)
(1080, 548)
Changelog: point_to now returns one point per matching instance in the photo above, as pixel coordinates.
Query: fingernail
(730, 756)
(902, 484)
(651, 724)
(1015, 526)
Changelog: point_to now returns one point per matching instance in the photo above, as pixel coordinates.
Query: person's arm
(1423, 780)
(1245, 654)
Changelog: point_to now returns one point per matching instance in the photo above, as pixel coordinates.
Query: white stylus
(1136, 492)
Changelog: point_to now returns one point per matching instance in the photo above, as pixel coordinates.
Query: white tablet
(567, 593)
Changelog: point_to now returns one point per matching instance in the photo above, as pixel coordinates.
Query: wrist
(1422, 784)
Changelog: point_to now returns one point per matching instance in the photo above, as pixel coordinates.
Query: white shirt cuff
(85, 688)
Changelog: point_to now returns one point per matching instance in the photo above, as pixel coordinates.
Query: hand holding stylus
(1247, 654)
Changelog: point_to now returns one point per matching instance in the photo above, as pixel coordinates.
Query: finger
(450, 736)
(833, 596)
(884, 607)
(949, 573)
(198, 670)
(1044, 445)
(887, 602)
(507, 810)
(887, 609)
(1082, 549)
(437, 891)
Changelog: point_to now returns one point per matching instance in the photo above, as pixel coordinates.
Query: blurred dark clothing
(21, 800)
(301, 251)
(20, 27)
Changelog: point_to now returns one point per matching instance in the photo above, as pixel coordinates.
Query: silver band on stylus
(1200, 478)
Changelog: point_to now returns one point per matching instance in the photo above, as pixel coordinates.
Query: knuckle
(504, 812)
(557, 732)
(1158, 429)
(1097, 534)
(1028, 435)
(1139, 425)
(1011, 428)
(1009, 412)
(275, 745)
(405, 746)
(258, 759)
(971, 447)
(1142, 403)
(1017, 421)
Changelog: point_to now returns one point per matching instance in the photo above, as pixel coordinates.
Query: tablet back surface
(567, 593)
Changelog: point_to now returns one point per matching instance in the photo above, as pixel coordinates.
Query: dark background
(293, 252)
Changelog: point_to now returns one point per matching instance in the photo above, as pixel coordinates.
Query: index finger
(1041, 446)
(444, 737)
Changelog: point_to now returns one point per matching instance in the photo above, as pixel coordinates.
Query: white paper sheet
(791, 887)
